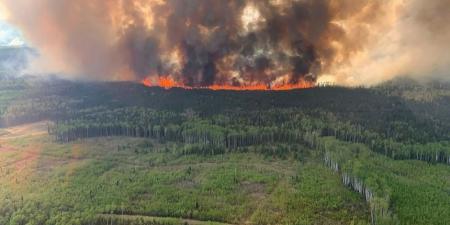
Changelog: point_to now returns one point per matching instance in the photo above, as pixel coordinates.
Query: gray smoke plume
(15, 59)
(227, 42)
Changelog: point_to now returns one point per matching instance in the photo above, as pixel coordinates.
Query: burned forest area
(88, 153)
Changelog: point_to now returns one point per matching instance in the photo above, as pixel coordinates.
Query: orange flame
(147, 82)
(257, 87)
(168, 82)
(300, 85)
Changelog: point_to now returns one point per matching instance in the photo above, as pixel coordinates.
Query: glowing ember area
(147, 82)
(238, 88)
(167, 82)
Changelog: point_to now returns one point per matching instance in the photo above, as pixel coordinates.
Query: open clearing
(26, 130)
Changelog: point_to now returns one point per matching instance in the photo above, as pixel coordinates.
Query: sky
(9, 35)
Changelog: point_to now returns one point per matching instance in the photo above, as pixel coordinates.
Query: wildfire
(147, 82)
(257, 87)
(168, 82)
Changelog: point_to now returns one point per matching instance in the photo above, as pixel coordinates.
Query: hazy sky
(9, 35)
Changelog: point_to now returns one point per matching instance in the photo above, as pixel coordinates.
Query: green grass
(77, 182)
(313, 196)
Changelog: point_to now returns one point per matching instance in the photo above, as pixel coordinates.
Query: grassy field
(140, 181)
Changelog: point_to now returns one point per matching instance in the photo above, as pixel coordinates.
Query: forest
(361, 155)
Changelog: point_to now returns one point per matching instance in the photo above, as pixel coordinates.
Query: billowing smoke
(237, 42)
(414, 42)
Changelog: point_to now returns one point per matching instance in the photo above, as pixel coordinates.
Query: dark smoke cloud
(205, 42)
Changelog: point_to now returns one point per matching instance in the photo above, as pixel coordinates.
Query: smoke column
(239, 42)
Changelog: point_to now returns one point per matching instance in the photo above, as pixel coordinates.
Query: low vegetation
(128, 179)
